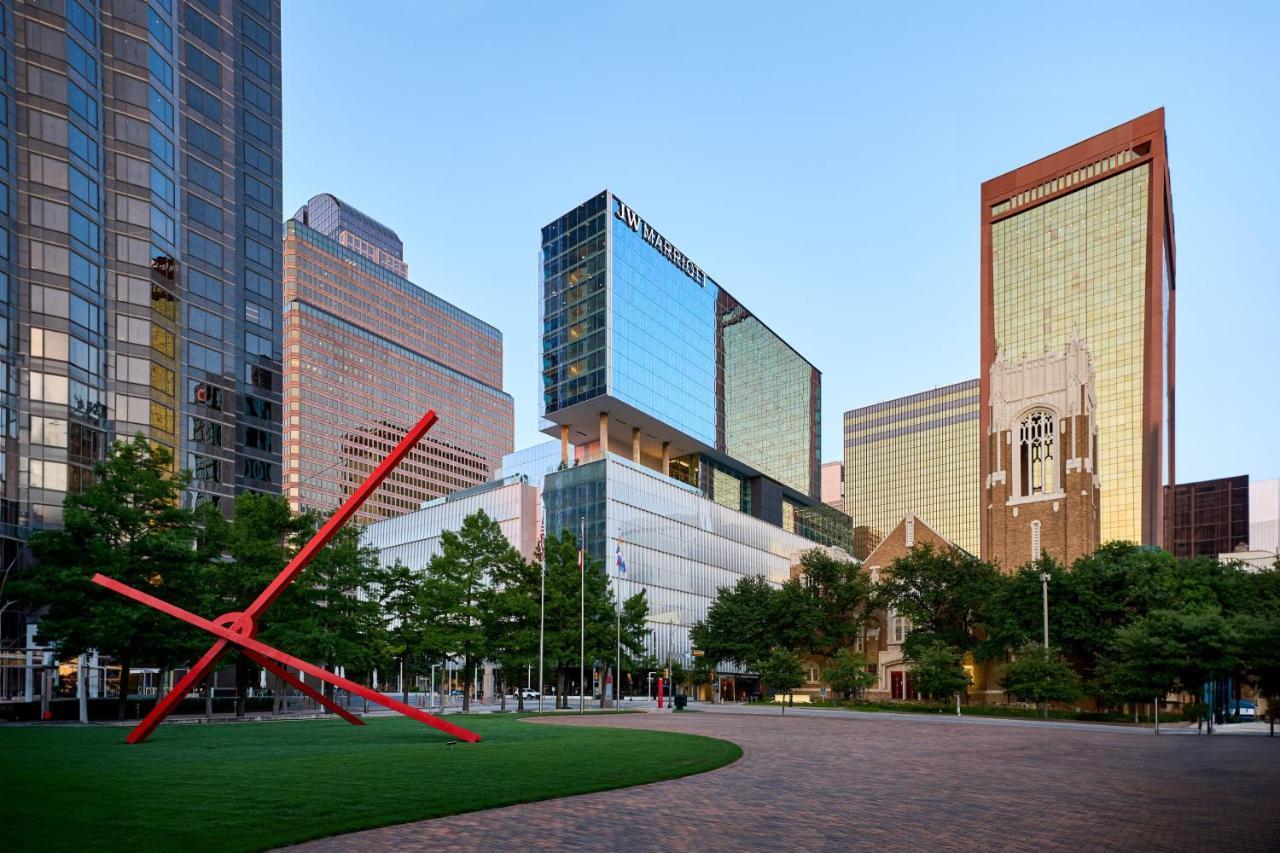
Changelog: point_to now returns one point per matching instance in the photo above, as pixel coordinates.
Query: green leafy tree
(510, 615)
(839, 594)
(1041, 675)
(127, 524)
(1260, 650)
(942, 591)
(401, 598)
(782, 671)
(937, 666)
(740, 626)
(848, 674)
(456, 591)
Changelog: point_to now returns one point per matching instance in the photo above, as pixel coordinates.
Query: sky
(822, 162)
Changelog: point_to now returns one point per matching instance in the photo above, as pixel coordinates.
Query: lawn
(251, 786)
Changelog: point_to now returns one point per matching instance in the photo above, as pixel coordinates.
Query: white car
(526, 693)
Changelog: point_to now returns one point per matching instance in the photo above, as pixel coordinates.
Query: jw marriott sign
(651, 236)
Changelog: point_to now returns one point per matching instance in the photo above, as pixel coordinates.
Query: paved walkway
(817, 783)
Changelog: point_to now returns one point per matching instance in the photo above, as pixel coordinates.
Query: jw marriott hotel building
(366, 353)
(694, 428)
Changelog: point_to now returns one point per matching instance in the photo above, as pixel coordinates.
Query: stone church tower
(1042, 495)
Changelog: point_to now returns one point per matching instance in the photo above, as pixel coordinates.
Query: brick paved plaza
(808, 783)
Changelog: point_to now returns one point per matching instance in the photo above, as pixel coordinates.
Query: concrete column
(666, 459)
(604, 434)
(564, 444)
(635, 444)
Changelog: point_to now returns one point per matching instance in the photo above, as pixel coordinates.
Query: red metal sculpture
(238, 628)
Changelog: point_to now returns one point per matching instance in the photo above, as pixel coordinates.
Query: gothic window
(1037, 457)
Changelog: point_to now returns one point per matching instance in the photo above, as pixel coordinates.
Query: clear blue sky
(823, 165)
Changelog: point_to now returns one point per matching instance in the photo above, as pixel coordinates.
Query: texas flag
(622, 564)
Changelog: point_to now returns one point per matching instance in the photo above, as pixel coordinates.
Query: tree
(1260, 649)
(455, 586)
(848, 674)
(127, 524)
(839, 592)
(510, 605)
(782, 671)
(942, 591)
(937, 668)
(568, 589)
(740, 626)
(1041, 675)
(402, 608)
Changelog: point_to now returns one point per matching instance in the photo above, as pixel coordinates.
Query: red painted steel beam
(307, 690)
(249, 644)
(288, 575)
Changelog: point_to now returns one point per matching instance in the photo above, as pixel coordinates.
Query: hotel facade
(1080, 245)
(695, 428)
(366, 353)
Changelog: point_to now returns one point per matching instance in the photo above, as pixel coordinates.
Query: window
(811, 674)
(256, 345)
(204, 212)
(203, 358)
(81, 104)
(48, 475)
(205, 285)
(258, 283)
(46, 343)
(255, 407)
(1037, 467)
(206, 432)
(257, 190)
(202, 28)
(51, 432)
(256, 469)
(255, 63)
(258, 221)
(204, 175)
(257, 33)
(203, 102)
(161, 185)
(85, 273)
(83, 188)
(48, 387)
(162, 147)
(1035, 540)
(258, 253)
(257, 128)
(83, 20)
(204, 249)
(900, 627)
(159, 30)
(206, 395)
(160, 107)
(258, 439)
(257, 314)
(79, 59)
(205, 139)
(204, 468)
(259, 377)
(202, 64)
(162, 226)
(85, 230)
(258, 159)
(204, 322)
(161, 70)
(256, 95)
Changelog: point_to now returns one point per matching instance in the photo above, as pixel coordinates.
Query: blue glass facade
(662, 332)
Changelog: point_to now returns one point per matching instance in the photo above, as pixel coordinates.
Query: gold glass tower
(916, 454)
(1081, 243)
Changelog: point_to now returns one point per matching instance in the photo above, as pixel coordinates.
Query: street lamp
(1044, 595)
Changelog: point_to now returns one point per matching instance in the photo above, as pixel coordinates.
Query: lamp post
(1044, 596)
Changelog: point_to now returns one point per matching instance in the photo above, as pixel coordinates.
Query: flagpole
(617, 612)
(542, 615)
(582, 617)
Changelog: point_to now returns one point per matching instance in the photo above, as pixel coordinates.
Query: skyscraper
(139, 227)
(696, 426)
(916, 454)
(1081, 243)
(367, 351)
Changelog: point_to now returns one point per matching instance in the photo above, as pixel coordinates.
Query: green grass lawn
(251, 786)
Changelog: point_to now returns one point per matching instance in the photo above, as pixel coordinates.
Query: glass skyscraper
(139, 245)
(1081, 243)
(917, 454)
(366, 353)
(689, 430)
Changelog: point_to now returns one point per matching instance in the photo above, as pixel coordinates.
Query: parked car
(1247, 709)
(455, 692)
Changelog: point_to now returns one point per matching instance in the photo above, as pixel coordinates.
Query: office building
(414, 538)
(832, 492)
(139, 229)
(1081, 243)
(1264, 516)
(1207, 518)
(696, 427)
(367, 352)
(914, 454)
(1041, 495)
(533, 463)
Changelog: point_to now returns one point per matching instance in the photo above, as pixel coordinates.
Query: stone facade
(1042, 494)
